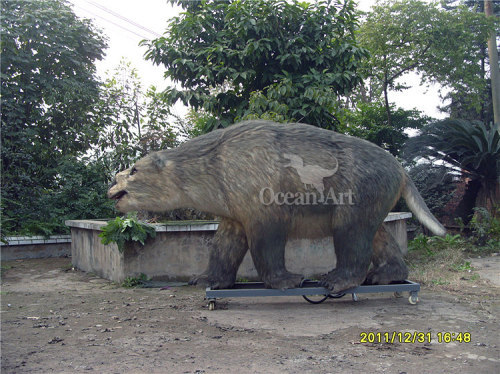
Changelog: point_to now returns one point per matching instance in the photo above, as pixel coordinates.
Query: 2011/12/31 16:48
(414, 337)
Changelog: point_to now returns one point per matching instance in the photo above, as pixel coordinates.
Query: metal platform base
(310, 288)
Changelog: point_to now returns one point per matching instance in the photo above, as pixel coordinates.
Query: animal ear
(160, 162)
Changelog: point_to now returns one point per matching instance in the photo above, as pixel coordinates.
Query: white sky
(127, 22)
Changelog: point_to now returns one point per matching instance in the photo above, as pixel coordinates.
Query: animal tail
(419, 208)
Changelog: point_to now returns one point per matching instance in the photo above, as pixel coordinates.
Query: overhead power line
(112, 22)
(117, 15)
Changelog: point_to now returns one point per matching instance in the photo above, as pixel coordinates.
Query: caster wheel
(413, 299)
(398, 295)
(315, 299)
(211, 305)
(354, 297)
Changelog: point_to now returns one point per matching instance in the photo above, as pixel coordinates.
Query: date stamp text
(415, 337)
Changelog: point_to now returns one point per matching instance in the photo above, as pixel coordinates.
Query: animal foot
(283, 281)
(215, 282)
(390, 272)
(340, 280)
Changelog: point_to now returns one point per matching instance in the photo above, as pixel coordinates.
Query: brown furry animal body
(241, 175)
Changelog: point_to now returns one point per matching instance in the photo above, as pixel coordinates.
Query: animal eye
(133, 171)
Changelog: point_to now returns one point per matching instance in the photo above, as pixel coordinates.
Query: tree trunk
(387, 106)
(495, 72)
(488, 196)
(465, 208)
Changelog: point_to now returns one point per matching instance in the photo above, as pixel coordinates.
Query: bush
(79, 192)
(486, 228)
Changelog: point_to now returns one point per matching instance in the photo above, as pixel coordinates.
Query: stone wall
(20, 247)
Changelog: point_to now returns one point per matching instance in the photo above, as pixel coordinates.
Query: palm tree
(469, 148)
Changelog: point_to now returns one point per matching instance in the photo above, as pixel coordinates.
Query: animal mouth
(117, 196)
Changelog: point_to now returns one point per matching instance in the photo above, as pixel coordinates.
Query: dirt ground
(55, 319)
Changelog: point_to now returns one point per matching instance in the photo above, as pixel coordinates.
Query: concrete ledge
(180, 250)
(27, 240)
(159, 227)
(19, 247)
(396, 216)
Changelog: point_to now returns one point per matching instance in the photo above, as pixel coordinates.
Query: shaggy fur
(225, 172)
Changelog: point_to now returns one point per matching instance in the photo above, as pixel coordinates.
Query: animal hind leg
(387, 260)
(229, 247)
(353, 250)
(267, 246)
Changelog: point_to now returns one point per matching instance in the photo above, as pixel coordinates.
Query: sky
(127, 22)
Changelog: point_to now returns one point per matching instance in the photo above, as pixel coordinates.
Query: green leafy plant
(448, 240)
(131, 282)
(440, 282)
(465, 266)
(421, 243)
(486, 227)
(122, 230)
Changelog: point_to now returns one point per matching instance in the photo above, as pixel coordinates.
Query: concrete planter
(180, 250)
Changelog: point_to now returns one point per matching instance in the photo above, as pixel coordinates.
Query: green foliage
(448, 240)
(440, 282)
(486, 228)
(131, 123)
(369, 121)
(431, 245)
(472, 149)
(134, 122)
(421, 243)
(78, 192)
(443, 45)
(48, 89)
(485, 239)
(132, 282)
(276, 59)
(194, 123)
(122, 230)
(442, 260)
(465, 266)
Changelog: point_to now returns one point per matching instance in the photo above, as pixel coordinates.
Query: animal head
(151, 184)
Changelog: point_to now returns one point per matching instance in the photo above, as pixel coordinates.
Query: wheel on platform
(211, 305)
(336, 295)
(315, 299)
(398, 294)
(354, 297)
(413, 299)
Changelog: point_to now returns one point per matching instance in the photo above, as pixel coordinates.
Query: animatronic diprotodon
(248, 174)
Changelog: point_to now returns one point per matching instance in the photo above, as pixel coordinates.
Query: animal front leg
(228, 250)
